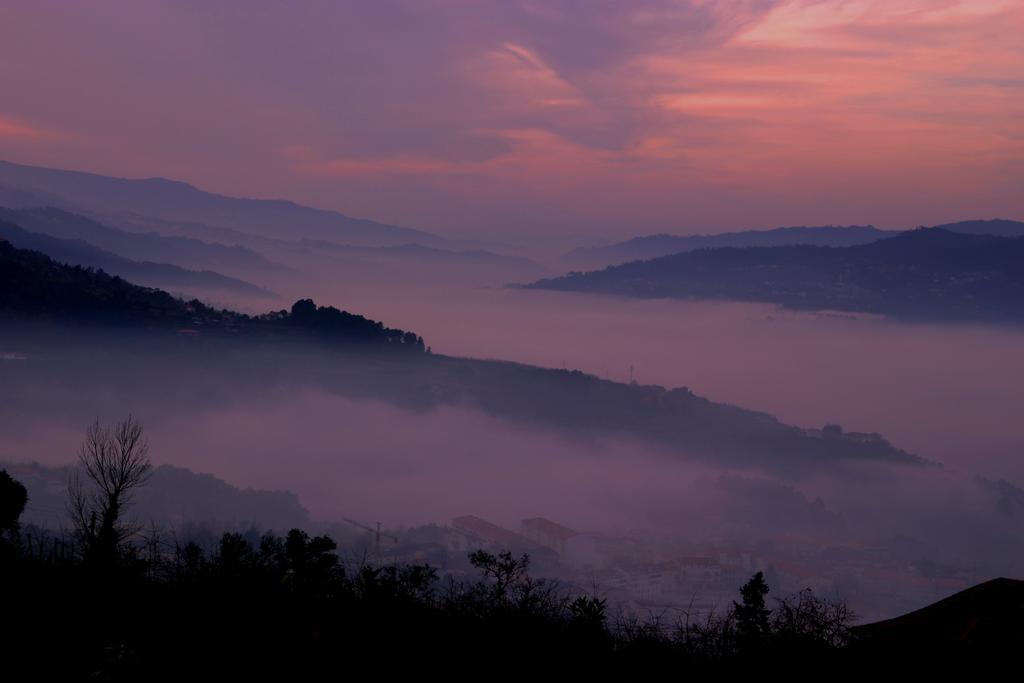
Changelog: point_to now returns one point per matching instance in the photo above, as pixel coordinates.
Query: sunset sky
(518, 120)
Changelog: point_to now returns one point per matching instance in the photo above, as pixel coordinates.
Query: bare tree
(115, 461)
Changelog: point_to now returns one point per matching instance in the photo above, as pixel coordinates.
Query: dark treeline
(110, 600)
(33, 286)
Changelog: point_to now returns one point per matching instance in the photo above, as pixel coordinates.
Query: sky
(578, 121)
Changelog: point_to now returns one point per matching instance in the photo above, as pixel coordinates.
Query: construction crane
(376, 535)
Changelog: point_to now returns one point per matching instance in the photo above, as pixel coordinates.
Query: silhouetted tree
(806, 621)
(503, 569)
(304, 310)
(13, 498)
(115, 460)
(752, 616)
(311, 562)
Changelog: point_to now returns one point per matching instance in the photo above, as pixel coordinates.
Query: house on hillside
(547, 533)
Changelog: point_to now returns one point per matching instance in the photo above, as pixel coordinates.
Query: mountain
(652, 246)
(997, 226)
(175, 496)
(18, 198)
(80, 253)
(989, 616)
(928, 273)
(152, 246)
(221, 345)
(33, 285)
(173, 200)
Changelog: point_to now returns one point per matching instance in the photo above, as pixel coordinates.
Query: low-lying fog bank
(947, 392)
(889, 535)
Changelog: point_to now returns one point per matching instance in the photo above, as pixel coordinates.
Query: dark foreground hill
(137, 338)
(160, 606)
(985, 618)
(925, 274)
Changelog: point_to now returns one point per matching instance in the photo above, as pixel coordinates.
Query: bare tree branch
(115, 461)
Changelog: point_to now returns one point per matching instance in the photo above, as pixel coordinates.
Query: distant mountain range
(167, 222)
(929, 273)
(150, 246)
(171, 200)
(77, 252)
(653, 246)
(35, 288)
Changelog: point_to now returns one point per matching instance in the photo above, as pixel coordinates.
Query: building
(483, 534)
(547, 533)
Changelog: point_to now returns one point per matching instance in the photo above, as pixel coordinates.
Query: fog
(947, 392)
(318, 425)
(373, 460)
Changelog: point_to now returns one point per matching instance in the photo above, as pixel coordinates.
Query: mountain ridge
(186, 252)
(926, 274)
(178, 200)
(645, 247)
(78, 252)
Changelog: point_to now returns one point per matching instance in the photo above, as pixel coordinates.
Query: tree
(504, 569)
(808, 622)
(752, 625)
(304, 311)
(115, 461)
(13, 497)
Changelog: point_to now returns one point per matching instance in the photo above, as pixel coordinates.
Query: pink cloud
(602, 117)
(12, 128)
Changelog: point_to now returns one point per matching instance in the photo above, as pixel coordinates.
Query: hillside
(139, 246)
(653, 246)
(997, 226)
(927, 274)
(34, 286)
(80, 253)
(175, 496)
(986, 617)
(177, 201)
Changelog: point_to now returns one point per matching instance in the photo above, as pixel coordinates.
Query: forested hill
(927, 273)
(34, 286)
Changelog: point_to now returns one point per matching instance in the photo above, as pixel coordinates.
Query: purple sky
(524, 119)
